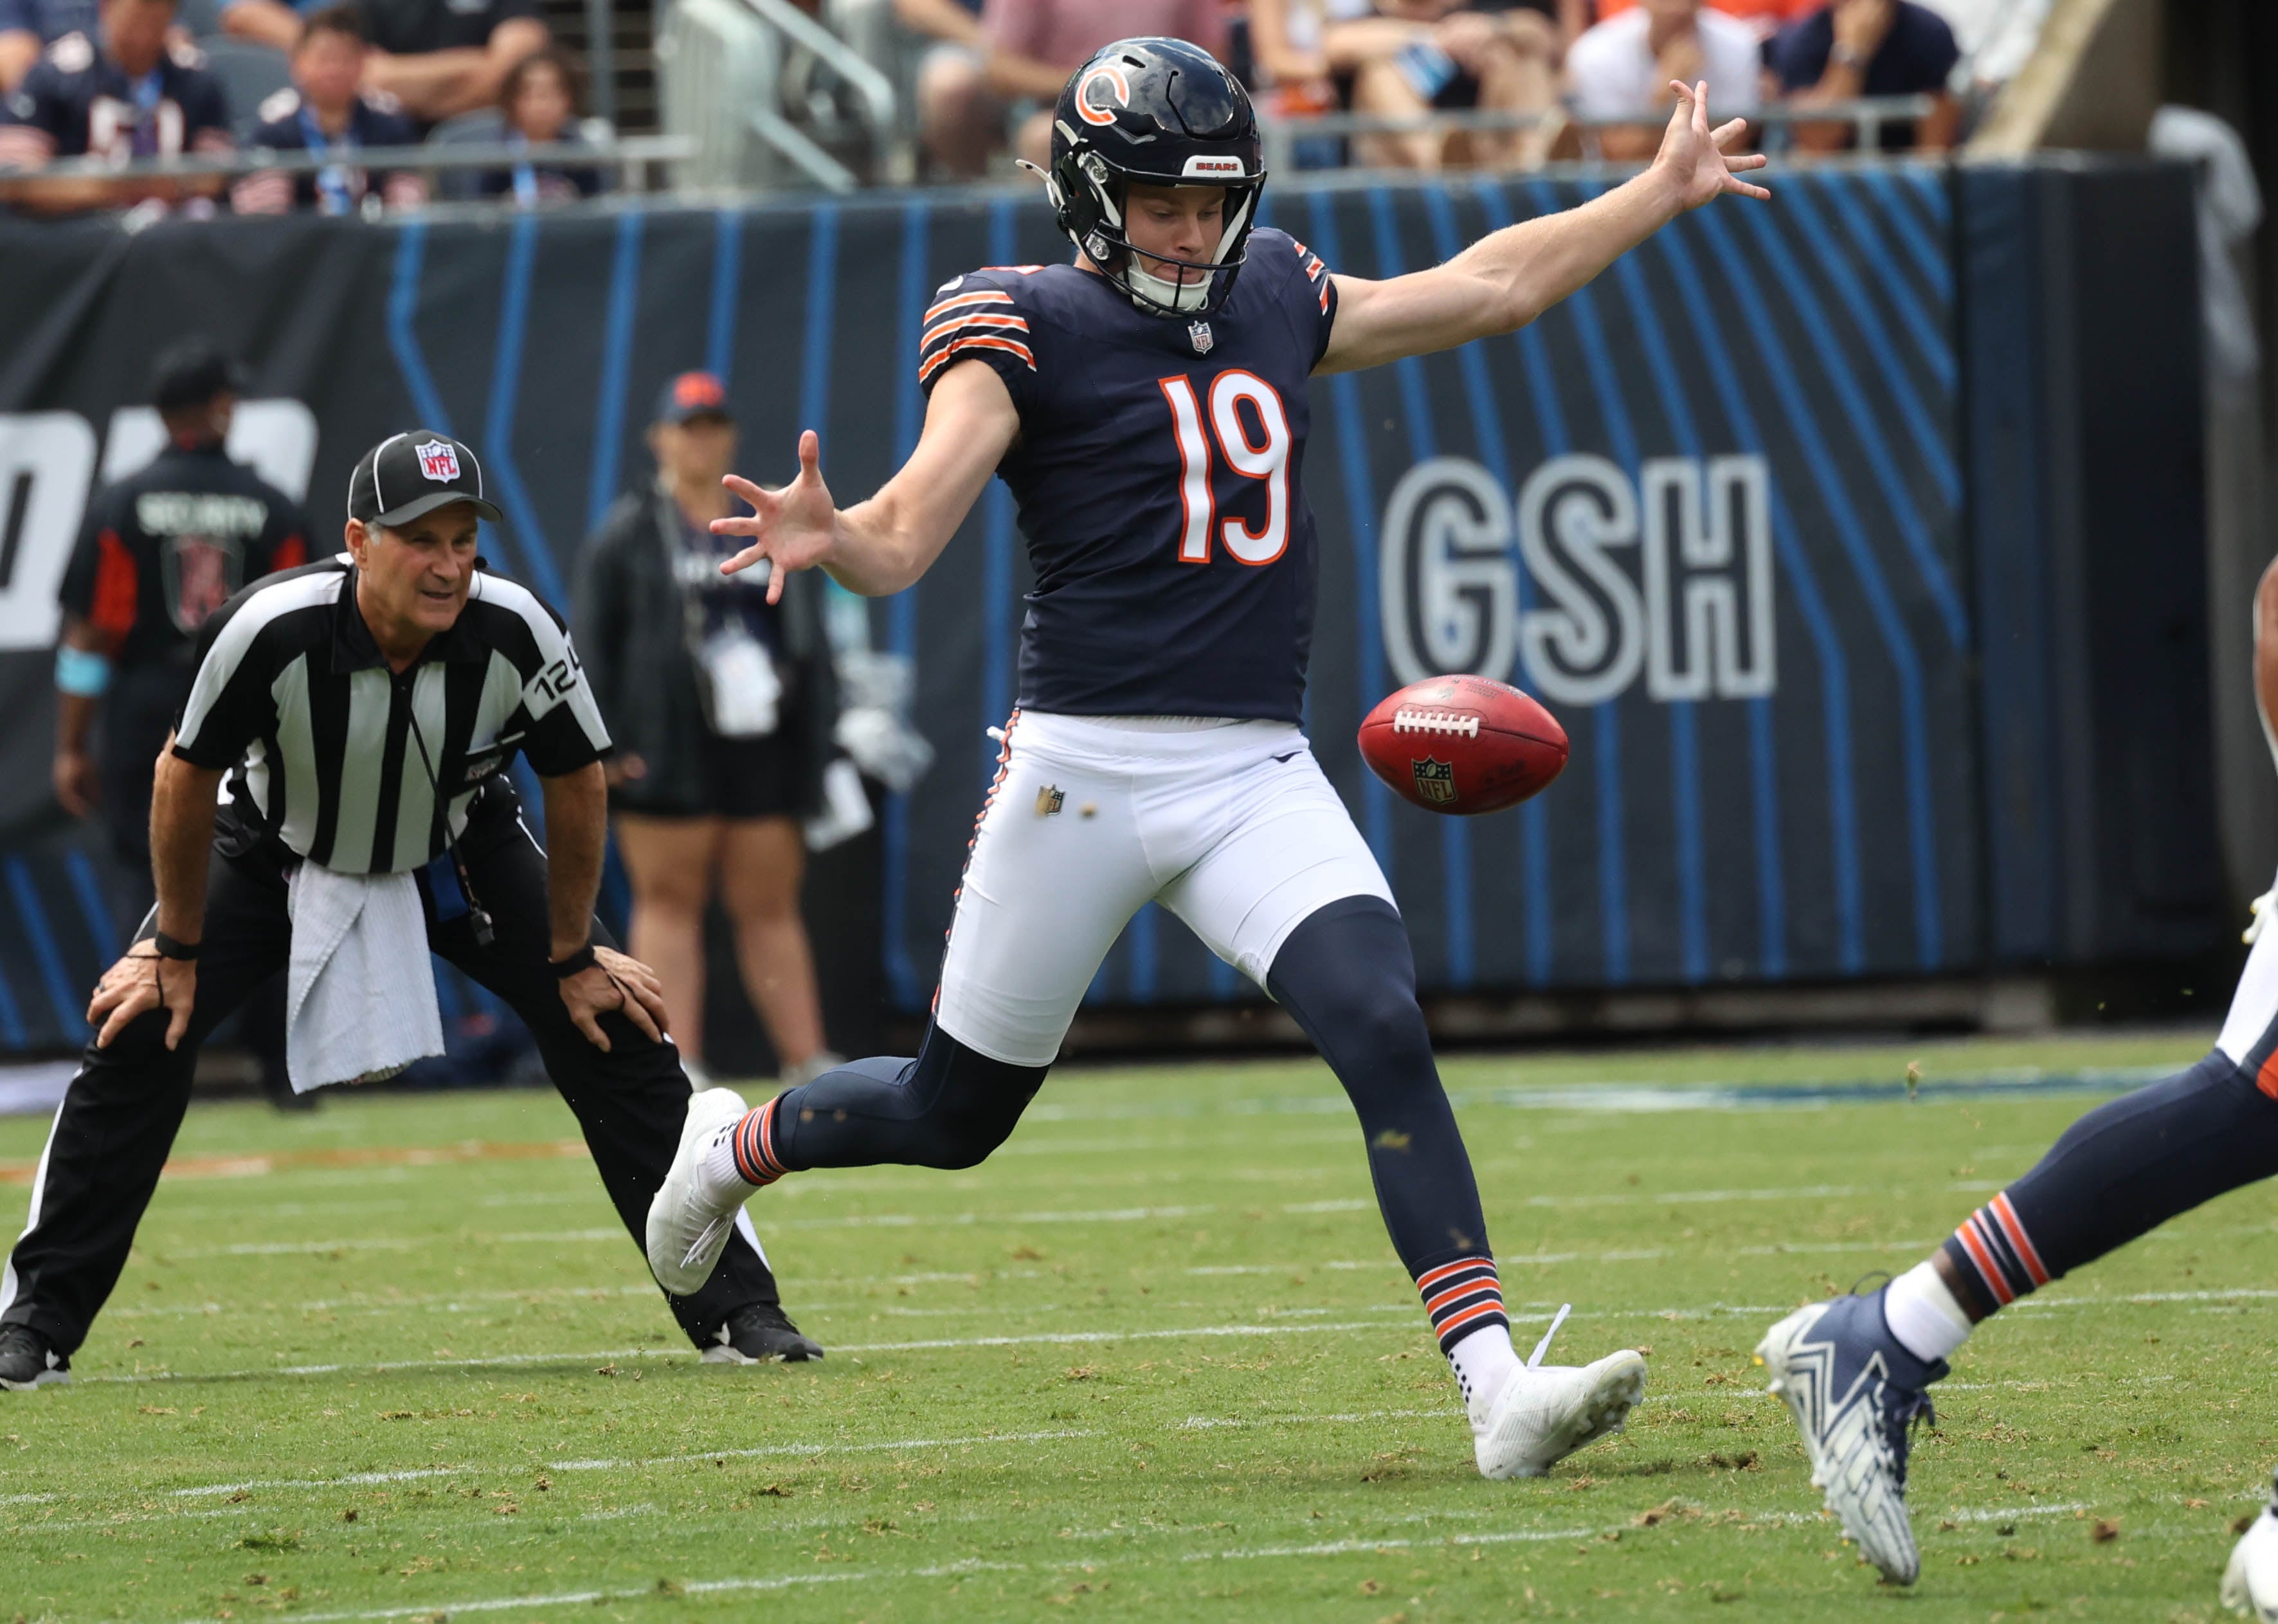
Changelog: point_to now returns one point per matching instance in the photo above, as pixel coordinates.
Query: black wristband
(577, 964)
(169, 947)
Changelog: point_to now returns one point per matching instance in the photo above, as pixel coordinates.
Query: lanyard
(525, 178)
(334, 192)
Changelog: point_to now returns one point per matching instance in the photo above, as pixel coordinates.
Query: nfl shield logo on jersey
(1200, 333)
(438, 460)
(1435, 781)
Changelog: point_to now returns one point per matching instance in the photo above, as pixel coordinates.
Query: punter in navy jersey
(1122, 621)
(1147, 407)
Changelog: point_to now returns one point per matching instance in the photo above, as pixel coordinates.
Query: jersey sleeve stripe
(965, 300)
(972, 325)
(934, 362)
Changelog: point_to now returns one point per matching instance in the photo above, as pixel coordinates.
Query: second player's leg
(630, 1101)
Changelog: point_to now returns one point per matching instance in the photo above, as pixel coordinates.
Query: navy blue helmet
(1162, 112)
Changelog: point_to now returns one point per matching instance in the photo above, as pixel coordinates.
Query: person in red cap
(723, 707)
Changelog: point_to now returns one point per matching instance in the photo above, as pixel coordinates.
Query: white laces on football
(1544, 1347)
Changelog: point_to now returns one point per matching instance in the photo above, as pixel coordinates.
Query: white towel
(360, 993)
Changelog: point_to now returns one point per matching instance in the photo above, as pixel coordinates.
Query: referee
(363, 710)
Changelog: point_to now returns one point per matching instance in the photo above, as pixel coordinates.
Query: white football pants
(1230, 825)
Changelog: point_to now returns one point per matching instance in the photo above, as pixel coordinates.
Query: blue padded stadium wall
(1731, 512)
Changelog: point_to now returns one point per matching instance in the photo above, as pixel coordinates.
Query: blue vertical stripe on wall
(1927, 255)
(1928, 337)
(1422, 444)
(94, 907)
(1360, 501)
(616, 360)
(1534, 815)
(498, 429)
(727, 280)
(901, 608)
(32, 915)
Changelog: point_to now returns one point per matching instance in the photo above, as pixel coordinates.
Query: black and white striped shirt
(291, 692)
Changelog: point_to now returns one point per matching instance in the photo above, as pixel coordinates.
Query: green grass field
(1155, 1359)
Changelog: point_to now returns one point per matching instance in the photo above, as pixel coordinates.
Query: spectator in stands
(539, 101)
(1996, 37)
(961, 116)
(723, 708)
(1414, 55)
(1621, 69)
(133, 96)
(1766, 17)
(1030, 48)
(327, 112)
(438, 58)
(28, 27)
(1863, 48)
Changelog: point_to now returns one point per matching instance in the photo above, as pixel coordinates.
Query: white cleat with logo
(689, 1222)
(1545, 1413)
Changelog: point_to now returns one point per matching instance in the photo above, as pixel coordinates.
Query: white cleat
(1545, 1413)
(1854, 1394)
(2250, 1584)
(689, 1222)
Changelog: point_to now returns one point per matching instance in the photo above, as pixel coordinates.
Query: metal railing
(722, 62)
(1867, 115)
(630, 156)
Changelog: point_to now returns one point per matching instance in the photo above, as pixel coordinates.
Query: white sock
(1484, 1361)
(1923, 1314)
(720, 1175)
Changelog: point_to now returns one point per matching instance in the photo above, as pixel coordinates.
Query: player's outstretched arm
(1505, 280)
(884, 545)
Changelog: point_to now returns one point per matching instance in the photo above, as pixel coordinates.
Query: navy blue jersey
(1159, 479)
(77, 103)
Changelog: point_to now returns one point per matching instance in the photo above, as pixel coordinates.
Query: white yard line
(1237, 1553)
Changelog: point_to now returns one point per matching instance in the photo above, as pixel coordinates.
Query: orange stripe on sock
(1456, 1293)
(1987, 1268)
(2015, 1228)
(1466, 1317)
(1430, 1278)
(2267, 1079)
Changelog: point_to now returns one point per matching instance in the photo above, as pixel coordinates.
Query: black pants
(121, 1113)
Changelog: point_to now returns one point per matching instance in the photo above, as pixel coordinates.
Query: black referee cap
(407, 476)
(191, 372)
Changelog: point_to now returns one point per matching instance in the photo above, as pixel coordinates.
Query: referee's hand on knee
(139, 982)
(614, 982)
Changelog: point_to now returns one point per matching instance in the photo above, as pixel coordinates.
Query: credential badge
(1200, 333)
(1435, 781)
(438, 460)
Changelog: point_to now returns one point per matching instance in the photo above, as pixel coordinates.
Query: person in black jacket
(722, 707)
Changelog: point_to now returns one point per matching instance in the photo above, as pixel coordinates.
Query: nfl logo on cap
(438, 460)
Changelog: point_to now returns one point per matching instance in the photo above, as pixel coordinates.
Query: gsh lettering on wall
(1669, 578)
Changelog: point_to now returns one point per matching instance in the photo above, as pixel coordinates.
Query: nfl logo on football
(1200, 333)
(1435, 781)
(438, 460)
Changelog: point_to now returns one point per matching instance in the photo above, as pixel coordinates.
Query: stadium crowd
(122, 79)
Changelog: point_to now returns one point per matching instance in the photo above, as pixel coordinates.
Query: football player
(1855, 1371)
(1147, 406)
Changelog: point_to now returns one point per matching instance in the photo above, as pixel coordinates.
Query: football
(1463, 744)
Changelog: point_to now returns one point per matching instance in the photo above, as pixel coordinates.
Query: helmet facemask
(1089, 195)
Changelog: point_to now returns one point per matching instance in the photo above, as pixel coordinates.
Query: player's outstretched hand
(792, 528)
(139, 982)
(1699, 160)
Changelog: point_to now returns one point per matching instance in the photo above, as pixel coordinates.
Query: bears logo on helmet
(1088, 107)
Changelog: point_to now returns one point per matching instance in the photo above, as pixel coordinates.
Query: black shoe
(27, 1361)
(760, 1333)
